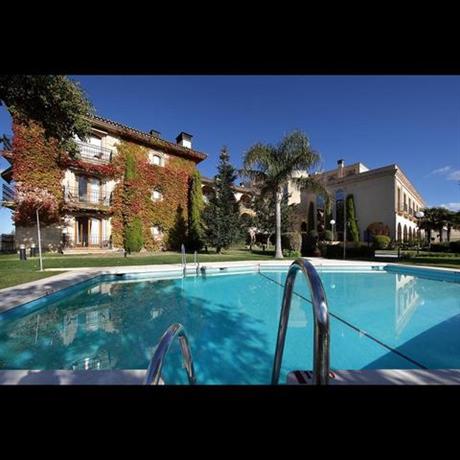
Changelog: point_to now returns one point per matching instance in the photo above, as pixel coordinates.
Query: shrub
(327, 235)
(289, 253)
(133, 236)
(310, 246)
(381, 241)
(378, 228)
(454, 246)
(440, 247)
(361, 251)
(291, 241)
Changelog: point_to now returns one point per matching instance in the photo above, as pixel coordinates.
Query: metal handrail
(157, 361)
(196, 262)
(320, 317)
(183, 259)
(95, 153)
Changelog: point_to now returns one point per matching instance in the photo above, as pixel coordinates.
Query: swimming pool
(396, 318)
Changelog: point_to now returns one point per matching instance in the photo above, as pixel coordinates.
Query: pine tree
(196, 204)
(221, 215)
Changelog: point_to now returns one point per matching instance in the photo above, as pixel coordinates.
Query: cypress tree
(133, 236)
(221, 215)
(311, 218)
(196, 205)
(353, 234)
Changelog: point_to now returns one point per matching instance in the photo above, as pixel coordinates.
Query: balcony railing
(87, 242)
(94, 198)
(8, 193)
(94, 153)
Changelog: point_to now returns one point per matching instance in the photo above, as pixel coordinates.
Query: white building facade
(382, 195)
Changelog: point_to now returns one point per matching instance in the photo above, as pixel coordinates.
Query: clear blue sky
(413, 121)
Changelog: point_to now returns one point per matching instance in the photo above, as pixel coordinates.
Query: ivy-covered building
(120, 176)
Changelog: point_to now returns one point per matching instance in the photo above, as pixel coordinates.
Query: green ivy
(133, 236)
(196, 205)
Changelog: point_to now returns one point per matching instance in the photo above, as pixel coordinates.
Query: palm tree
(272, 167)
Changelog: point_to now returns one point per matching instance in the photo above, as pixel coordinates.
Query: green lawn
(14, 271)
(428, 259)
(446, 262)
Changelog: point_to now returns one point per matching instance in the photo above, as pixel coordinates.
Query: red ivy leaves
(36, 170)
(133, 198)
(102, 170)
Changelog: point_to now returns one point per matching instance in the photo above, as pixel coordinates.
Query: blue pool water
(379, 319)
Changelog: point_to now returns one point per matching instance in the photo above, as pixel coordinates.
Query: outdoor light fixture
(332, 222)
(419, 214)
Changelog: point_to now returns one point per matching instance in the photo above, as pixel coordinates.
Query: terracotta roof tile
(147, 137)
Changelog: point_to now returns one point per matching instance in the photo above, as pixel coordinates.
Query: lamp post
(344, 224)
(39, 239)
(332, 222)
(419, 215)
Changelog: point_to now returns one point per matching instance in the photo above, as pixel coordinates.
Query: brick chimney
(340, 166)
(184, 139)
(154, 133)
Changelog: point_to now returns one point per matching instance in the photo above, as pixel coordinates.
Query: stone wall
(51, 236)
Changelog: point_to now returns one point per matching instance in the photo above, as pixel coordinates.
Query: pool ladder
(184, 261)
(320, 318)
(320, 332)
(153, 376)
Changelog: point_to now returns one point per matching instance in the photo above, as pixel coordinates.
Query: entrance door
(82, 231)
(95, 228)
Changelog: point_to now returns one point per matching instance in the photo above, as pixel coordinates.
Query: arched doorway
(410, 234)
(405, 233)
(399, 232)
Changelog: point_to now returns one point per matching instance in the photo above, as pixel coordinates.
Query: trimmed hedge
(327, 235)
(381, 241)
(133, 236)
(439, 247)
(454, 246)
(362, 251)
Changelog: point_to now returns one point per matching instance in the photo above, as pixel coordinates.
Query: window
(155, 159)
(96, 141)
(156, 231)
(156, 195)
(398, 206)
